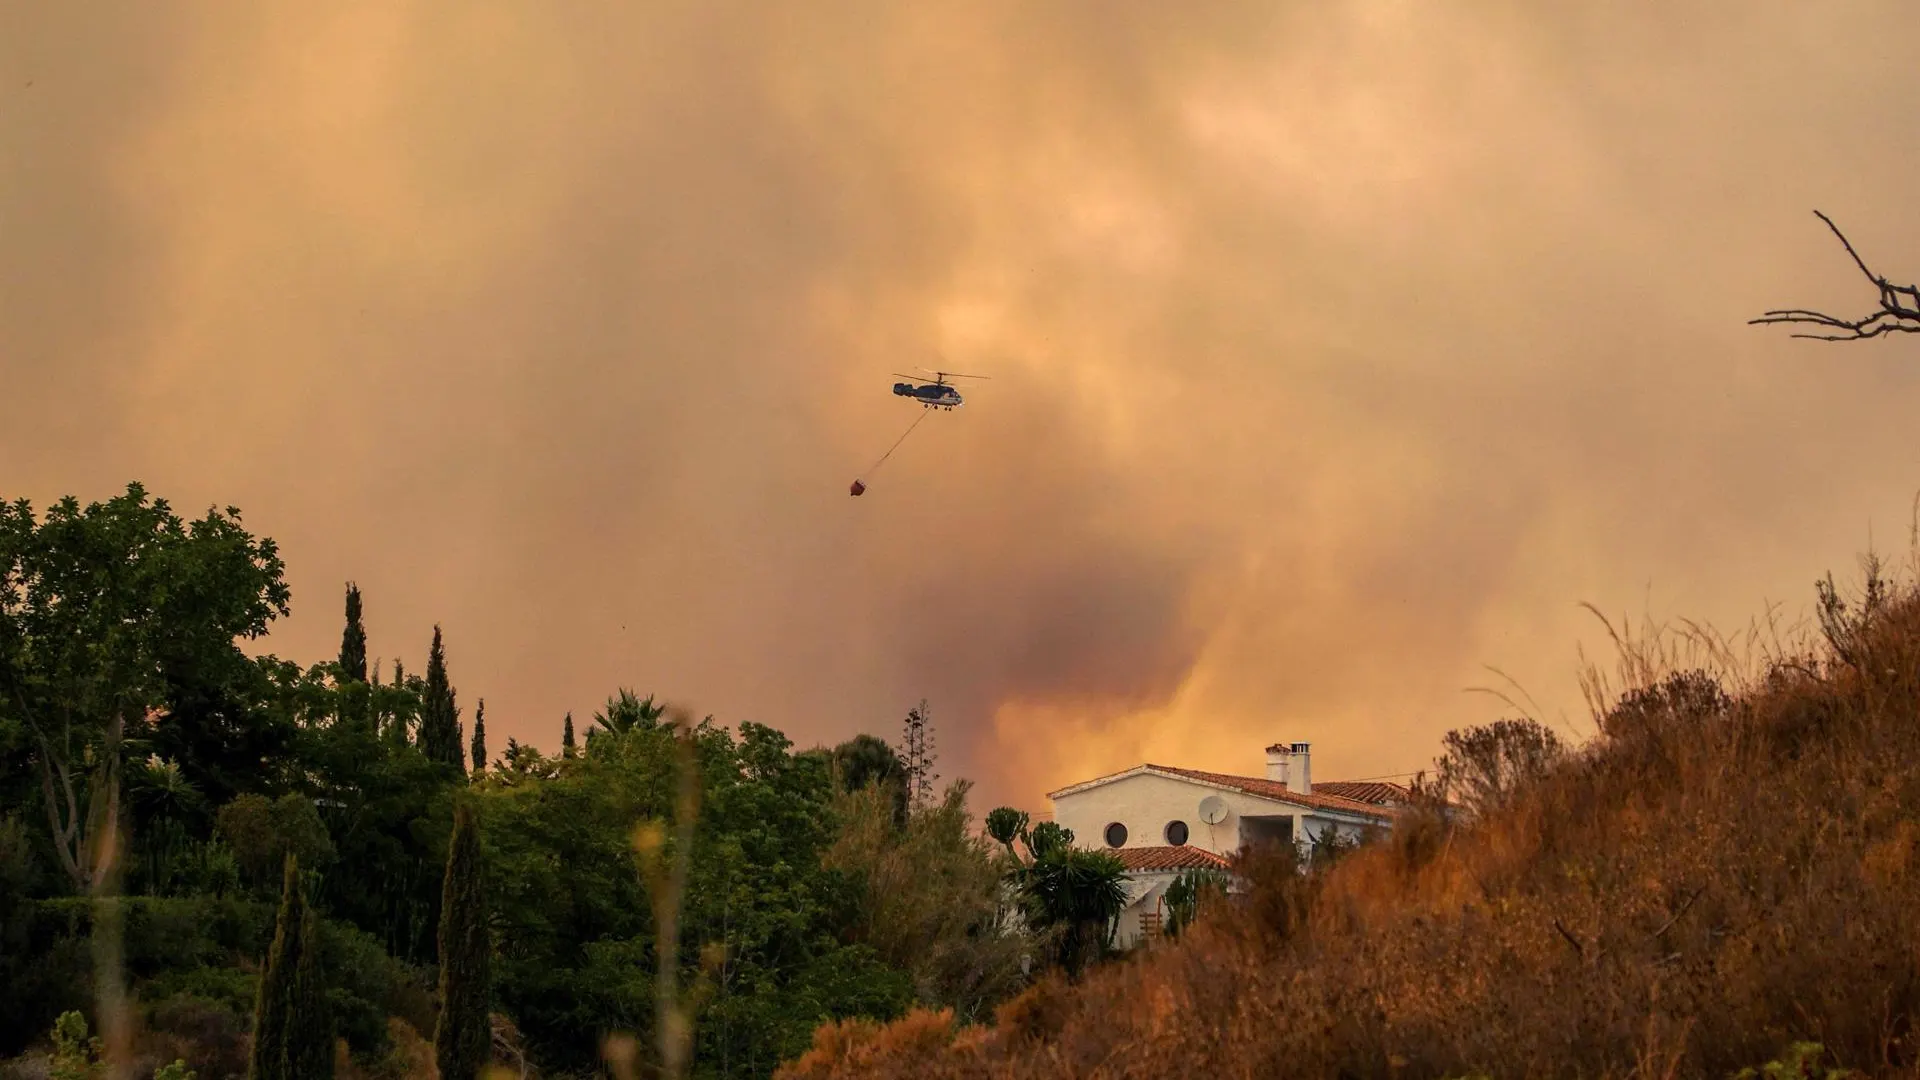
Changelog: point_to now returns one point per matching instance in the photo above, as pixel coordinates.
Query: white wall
(1350, 830)
(1127, 933)
(1146, 803)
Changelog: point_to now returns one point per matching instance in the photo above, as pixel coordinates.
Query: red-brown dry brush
(1714, 879)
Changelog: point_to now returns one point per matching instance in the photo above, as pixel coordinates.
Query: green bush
(193, 954)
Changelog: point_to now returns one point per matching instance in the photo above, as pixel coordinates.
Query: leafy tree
(480, 737)
(385, 806)
(353, 641)
(265, 833)
(567, 747)
(109, 615)
(767, 949)
(867, 761)
(463, 1035)
(665, 861)
(933, 901)
(440, 714)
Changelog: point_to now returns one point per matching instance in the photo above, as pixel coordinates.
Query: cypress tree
(480, 737)
(463, 1038)
(310, 1031)
(353, 642)
(439, 714)
(289, 1013)
(566, 737)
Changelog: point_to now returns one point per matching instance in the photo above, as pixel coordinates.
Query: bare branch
(1668, 925)
(1578, 949)
(1899, 306)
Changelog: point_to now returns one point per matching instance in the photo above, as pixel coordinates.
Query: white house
(1161, 820)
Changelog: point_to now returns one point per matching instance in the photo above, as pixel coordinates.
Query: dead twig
(1899, 306)
(1668, 925)
(1578, 949)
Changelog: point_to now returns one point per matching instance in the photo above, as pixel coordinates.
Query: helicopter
(937, 394)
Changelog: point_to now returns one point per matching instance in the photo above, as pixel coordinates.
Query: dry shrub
(1731, 867)
(896, 1049)
(1038, 1013)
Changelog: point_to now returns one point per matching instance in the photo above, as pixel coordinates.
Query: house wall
(1318, 824)
(1145, 804)
(1127, 933)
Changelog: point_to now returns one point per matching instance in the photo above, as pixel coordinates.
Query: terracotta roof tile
(1169, 858)
(1366, 791)
(1274, 789)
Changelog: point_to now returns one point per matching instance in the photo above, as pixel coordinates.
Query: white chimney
(1279, 755)
(1301, 770)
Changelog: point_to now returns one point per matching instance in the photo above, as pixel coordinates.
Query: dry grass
(1713, 879)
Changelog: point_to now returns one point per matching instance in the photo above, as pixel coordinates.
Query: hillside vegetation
(1725, 877)
(222, 865)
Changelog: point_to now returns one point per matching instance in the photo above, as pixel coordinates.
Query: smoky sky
(1335, 350)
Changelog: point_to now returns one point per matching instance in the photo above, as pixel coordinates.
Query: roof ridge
(1260, 787)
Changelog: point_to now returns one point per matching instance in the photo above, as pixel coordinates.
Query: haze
(1336, 349)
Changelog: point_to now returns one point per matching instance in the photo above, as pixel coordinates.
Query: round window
(1116, 835)
(1176, 833)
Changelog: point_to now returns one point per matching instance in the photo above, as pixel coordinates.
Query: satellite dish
(1213, 809)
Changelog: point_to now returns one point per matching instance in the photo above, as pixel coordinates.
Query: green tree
(766, 949)
(624, 712)
(289, 1009)
(1071, 896)
(480, 737)
(310, 1050)
(382, 804)
(112, 619)
(439, 712)
(567, 747)
(464, 1033)
(353, 641)
(263, 833)
(867, 761)
(932, 899)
